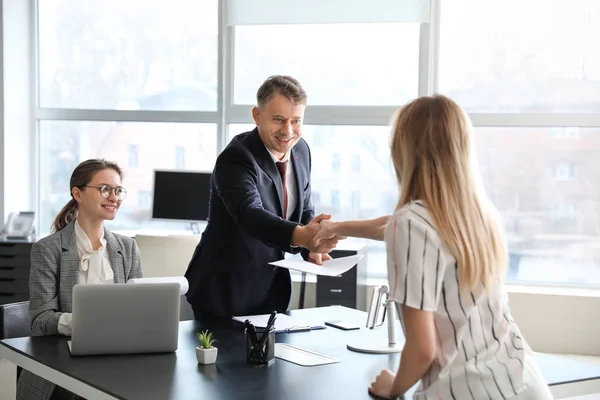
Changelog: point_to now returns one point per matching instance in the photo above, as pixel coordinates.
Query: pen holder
(260, 354)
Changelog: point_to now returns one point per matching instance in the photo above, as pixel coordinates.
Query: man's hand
(318, 258)
(303, 236)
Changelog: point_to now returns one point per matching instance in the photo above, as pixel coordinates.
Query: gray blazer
(54, 271)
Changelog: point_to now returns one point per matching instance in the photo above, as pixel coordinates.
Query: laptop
(125, 319)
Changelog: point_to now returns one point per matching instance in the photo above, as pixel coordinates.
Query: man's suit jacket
(229, 272)
(53, 273)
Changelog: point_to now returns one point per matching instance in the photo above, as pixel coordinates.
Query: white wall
(17, 92)
(560, 322)
(564, 321)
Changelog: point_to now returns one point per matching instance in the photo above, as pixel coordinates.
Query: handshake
(319, 236)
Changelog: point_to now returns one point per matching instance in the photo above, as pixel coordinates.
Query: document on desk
(283, 323)
(333, 267)
(302, 357)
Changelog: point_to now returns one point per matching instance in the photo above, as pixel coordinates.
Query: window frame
(229, 113)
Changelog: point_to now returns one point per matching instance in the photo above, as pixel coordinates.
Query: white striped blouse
(480, 353)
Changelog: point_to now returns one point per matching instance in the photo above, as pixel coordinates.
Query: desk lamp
(381, 306)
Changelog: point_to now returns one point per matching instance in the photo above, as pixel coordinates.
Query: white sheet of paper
(333, 267)
(283, 322)
(183, 283)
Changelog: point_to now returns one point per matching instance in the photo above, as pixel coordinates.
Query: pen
(251, 332)
(298, 329)
(303, 328)
(271, 320)
(265, 335)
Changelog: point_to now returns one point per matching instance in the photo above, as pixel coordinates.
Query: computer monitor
(181, 195)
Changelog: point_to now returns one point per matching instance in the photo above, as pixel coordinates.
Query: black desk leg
(302, 290)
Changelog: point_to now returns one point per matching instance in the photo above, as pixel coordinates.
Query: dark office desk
(178, 376)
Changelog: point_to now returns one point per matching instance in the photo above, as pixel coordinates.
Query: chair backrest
(166, 255)
(14, 320)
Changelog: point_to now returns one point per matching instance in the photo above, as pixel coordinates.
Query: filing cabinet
(14, 271)
(348, 289)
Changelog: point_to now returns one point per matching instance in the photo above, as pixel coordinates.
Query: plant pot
(206, 356)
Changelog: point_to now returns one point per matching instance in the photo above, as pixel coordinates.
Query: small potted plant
(206, 353)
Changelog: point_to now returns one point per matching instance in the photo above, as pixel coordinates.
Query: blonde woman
(446, 259)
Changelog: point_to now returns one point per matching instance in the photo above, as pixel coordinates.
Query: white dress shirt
(94, 268)
(290, 183)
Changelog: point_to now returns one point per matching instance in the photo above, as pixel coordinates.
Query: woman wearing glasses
(80, 251)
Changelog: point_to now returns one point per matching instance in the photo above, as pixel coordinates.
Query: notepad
(333, 267)
(283, 323)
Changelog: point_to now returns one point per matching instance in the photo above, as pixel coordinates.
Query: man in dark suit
(260, 207)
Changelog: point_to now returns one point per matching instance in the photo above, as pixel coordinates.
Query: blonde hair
(434, 158)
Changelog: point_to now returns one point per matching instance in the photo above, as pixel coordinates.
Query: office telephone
(19, 225)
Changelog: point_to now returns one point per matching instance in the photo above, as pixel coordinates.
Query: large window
(132, 55)
(521, 56)
(551, 224)
(182, 78)
(131, 82)
(338, 64)
(527, 76)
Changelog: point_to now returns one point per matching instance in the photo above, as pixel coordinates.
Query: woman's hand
(382, 387)
(327, 231)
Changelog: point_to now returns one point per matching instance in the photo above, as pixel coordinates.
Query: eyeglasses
(105, 191)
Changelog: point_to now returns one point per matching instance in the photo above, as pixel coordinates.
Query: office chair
(164, 256)
(15, 322)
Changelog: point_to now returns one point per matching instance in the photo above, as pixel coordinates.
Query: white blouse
(94, 268)
(480, 352)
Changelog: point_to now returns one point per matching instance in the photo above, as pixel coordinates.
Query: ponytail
(65, 216)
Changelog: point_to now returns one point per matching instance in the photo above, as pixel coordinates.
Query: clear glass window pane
(336, 162)
(547, 191)
(356, 200)
(551, 224)
(335, 199)
(521, 56)
(133, 156)
(337, 64)
(112, 54)
(355, 163)
(180, 157)
(64, 144)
